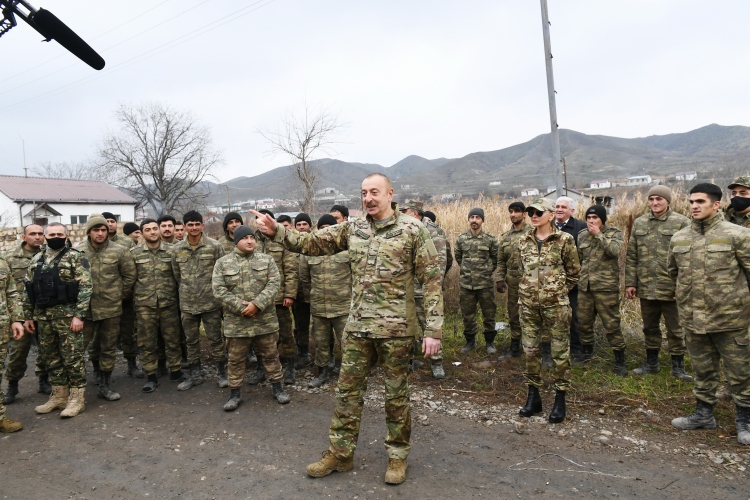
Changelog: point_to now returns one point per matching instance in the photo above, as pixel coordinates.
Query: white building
(686, 176)
(639, 180)
(25, 200)
(530, 192)
(602, 184)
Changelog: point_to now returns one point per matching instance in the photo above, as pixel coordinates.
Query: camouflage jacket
(547, 275)
(739, 219)
(74, 266)
(600, 260)
(253, 277)
(193, 269)
(155, 285)
(226, 244)
(287, 263)
(709, 262)
(385, 256)
(507, 254)
(11, 303)
(329, 278)
(646, 261)
(477, 256)
(18, 259)
(113, 275)
(441, 245)
(123, 240)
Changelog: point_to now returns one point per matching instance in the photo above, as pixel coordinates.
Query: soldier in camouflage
(167, 224)
(476, 254)
(387, 250)
(120, 239)
(709, 263)
(599, 286)
(301, 307)
(646, 277)
(231, 221)
(246, 283)
(18, 349)
(193, 261)
(550, 269)
(132, 231)
(170, 234)
(508, 275)
(59, 327)
(11, 324)
(738, 211)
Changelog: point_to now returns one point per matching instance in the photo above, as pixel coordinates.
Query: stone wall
(11, 236)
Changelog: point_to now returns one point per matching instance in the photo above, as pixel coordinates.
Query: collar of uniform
(200, 243)
(242, 254)
(380, 224)
(25, 251)
(662, 217)
(526, 226)
(472, 235)
(104, 245)
(733, 215)
(554, 234)
(702, 226)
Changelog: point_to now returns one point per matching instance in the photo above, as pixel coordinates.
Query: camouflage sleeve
(229, 301)
(571, 263)
(427, 271)
(494, 249)
(267, 298)
(129, 274)
(290, 261)
(672, 263)
(440, 242)
(13, 298)
(612, 244)
(328, 241)
(502, 264)
(448, 255)
(742, 252)
(28, 311)
(85, 286)
(175, 267)
(305, 282)
(631, 261)
(459, 251)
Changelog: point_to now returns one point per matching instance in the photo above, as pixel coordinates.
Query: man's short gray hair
(55, 224)
(570, 201)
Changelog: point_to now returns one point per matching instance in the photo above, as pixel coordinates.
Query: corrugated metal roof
(43, 189)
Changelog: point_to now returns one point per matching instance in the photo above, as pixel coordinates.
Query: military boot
(547, 355)
(235, 399)
(7, 425)
(290, 376)
(329, 463)
(221, 374)
(322, 377)
(96, 378)
(184, 363)
(304, 357)
(651, 365)
(260, 374)
(151, 385)
(57, 400)
(489, 342)
(702, 418)
(396, 472)
(557, 414)
(438, 372)
(585, 355)
(104, 390)
(10, 392)
(195, 377)
(514, 351)
(678, 369)
(620, 368)
(75, 404)
(133, 370)
(742, 420)
(278, 393)
(336, 366)
(44, 386)
(533, 403)
(178, 376)
(471, 344)
(162, 368)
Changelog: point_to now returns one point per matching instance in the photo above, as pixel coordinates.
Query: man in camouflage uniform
(171, 231)
(155, 298)
(415, 209)
(112, 275)
(549, 270)
(18, 349)
(329, 279)
(231, 221)
(112, 232)
(476, 254)
(246, 283)
(738, 211)
(508, 275)
(301, 307)
(179, 231)
(387, 249)
(59, 327)
(340, 213)
(599, 287)
(646, 277)
(132, 231)
(167, 224)
(193, 261)
(11, 324)
(709, 262)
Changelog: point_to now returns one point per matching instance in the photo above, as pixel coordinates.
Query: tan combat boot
(328, 464)
(57, 400)
(396, 473)
(75, 403)
(7, 425)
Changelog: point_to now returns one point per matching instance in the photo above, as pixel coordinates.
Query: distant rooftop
(44, 189)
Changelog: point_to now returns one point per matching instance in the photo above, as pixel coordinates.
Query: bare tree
(65, 170)
(302, 138)
(160, 156)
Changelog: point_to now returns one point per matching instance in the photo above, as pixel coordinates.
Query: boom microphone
(50, 26)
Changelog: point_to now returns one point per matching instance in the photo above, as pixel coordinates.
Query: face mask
(739, 204)
(56, 243)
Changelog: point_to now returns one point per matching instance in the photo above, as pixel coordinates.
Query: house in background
(639, 180)
(602, 184)
(41, 200)
(686, 176)
(530, 192)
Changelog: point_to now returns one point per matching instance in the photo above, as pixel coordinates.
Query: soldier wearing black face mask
(739, 210)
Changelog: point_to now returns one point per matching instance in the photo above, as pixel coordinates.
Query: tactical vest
(46, 289)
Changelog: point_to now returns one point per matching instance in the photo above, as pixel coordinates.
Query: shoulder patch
(85, 263)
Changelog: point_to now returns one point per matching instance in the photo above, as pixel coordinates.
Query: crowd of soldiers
(374, 285)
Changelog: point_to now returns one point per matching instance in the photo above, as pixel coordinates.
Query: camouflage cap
(542, 204)
(413, 204)
(743, 180)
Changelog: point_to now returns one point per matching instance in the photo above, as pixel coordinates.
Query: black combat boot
(702, 418)
(489, 342)
(585, 355)
(44, 386)
(235, 399)
(547, 355)
(304, 357)
(260, 374)
(513, 352)
(104, 391)
(161, 368)
(178, 376)
(221, 374)
(533, 403)
(151, 385)
(194, 379)
(322, 378)
(278, 393)
(651, 365)
(557, 414)
(11, 392)
(678, 369)
(290, 376)
(471, 344)
(620, 368)
(742, 420)
(133, 370)
(97, 375)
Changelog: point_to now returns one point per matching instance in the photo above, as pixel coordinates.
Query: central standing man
(387, 249)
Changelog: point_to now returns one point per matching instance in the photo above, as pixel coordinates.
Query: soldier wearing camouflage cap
(549, 265)
(738, 211)
(11, 322)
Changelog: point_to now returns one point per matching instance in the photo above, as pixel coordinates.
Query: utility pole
(555, 134)
(229, 202)
(25, 170)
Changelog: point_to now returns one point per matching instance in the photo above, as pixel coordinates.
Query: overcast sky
(432, 78)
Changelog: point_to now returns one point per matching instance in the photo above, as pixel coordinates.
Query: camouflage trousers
(5, 336)
(325, 332)
(62, 351)
(18, 352)
(556, 321)
(128, 340)
(394, 354)
(607, 306)
(485, 299)
(160, 349)
(301, 312)
(706, 353)
(264, 347)
(651, 312)
(287, 346)
(422, 320)
(211, 320)
(154, 322)
(100, 338)
(514, 318)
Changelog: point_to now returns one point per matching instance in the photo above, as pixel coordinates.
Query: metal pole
(23, 144)
(554, 135)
